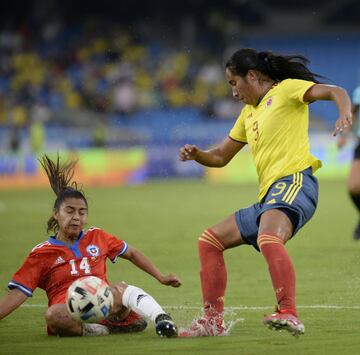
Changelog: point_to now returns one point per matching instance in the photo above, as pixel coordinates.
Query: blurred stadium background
(124, 84)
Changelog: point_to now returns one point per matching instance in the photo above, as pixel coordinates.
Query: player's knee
(118, 290)
(354, 187)
(276, 223)
(264, 239)
(353, 182)
(56, 317)
(208, 239)
(51, 315)
(59, 321)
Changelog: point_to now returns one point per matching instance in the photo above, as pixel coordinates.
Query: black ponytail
(276, 67)
(60, 176)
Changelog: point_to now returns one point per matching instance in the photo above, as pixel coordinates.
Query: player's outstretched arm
(145, 264)
(339, 96)
(216, 157)
(11, 301)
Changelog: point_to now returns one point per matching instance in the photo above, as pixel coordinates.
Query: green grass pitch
(164, 220)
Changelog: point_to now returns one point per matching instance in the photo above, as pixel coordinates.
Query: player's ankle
(161, 317)
(291, 311)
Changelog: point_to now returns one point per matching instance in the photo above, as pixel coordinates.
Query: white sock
(142, 303)
(93, 329)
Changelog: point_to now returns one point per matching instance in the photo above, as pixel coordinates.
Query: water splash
(222, 325)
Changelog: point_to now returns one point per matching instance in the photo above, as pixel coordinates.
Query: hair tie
(264, 56)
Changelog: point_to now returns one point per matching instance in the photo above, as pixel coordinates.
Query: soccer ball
(89, 299)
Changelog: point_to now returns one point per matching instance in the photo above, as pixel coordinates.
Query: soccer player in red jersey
(73, 253)
(276, 91)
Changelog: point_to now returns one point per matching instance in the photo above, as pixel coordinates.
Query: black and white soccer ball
(89, 299)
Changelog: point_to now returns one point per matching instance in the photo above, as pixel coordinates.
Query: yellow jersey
(277, 132)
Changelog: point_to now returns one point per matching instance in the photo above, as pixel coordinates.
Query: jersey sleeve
(116, 246)
(295, 89)
(356, 96)
(27, 278)
(238, 132)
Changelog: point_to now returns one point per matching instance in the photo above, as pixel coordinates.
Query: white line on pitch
(236, 308)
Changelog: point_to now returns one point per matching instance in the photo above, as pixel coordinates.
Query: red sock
(213, 273)
(281, 271)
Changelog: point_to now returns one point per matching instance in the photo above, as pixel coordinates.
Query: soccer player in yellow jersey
(276, 91)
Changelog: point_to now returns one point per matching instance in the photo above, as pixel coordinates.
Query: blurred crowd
(104, 68)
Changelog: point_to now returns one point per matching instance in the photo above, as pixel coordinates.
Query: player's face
(71, 216)
(242, 87)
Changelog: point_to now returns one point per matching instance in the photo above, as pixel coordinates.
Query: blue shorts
(296, 195)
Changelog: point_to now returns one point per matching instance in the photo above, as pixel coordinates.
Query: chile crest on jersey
(93, 250)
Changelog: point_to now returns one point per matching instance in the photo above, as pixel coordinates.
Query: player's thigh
(354, 177)
(276, 222)
(228, 232)
(289, 205)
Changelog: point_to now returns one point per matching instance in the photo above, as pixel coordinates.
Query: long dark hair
(276, 67)
(60, 176)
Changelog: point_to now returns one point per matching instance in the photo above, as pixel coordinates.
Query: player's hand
(343, 123)
(170, 280)
(188, 152)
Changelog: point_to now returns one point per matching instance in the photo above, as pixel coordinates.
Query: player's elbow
(223, 161)
(336, 91)
(220, 159)
(221, 164)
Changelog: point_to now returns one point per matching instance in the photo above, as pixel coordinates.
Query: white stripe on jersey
(22, 288)
(122, 252)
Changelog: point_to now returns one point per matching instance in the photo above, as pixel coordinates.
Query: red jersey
(54, 265)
